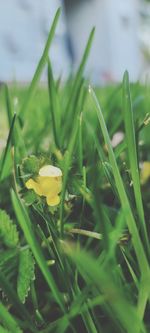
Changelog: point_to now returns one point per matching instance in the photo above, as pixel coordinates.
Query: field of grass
(82, 265)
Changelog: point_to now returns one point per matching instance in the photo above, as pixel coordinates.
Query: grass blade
(104, 283)
(40, 66)
(132, 153)
(54, 107)
(8, 320)
(6, 152)
(17, 139)
(8, 105)
(25, 224)
(138, 246)
(71, 106)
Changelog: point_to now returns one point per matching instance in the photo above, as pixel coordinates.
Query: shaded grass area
(82, 266)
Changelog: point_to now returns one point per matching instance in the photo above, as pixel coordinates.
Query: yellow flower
(145, 172)
(48, 184)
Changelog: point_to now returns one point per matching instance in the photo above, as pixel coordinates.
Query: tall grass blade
(40, 66)
(54, 106)
(132, 154)
(71, 106)
(8, 105)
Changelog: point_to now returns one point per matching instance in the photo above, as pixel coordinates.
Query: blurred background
(122, 38)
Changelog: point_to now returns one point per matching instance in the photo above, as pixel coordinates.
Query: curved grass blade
(40, 66)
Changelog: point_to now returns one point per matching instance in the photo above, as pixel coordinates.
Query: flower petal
(53, 201)
(50, 186)
(50, 171)
(32, 185)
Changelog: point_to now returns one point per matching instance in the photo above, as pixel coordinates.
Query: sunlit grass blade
(132, 154)
(26, 226)
(40, 66)
(138, 246)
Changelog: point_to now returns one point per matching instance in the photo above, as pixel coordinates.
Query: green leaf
(8, 231)
(25, 274)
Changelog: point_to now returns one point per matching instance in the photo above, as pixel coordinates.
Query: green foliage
(8, 231)
(89, 256)
(25, 274)
(3, 330)
(30, 165)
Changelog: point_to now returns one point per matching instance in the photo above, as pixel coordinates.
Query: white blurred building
(116, 45)
(24, 26)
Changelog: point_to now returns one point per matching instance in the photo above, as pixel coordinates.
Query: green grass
(83, 266)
